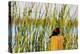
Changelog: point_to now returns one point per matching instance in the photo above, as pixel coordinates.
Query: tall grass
(32, 34)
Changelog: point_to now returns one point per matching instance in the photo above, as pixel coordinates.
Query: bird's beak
(50, 36)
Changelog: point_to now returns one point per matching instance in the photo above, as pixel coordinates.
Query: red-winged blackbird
(56, 31)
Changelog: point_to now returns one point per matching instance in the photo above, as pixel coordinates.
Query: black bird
(56, 31)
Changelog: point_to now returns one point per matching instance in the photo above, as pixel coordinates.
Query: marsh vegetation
(32, 24)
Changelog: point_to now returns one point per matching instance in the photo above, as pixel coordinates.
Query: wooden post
(56, 43)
